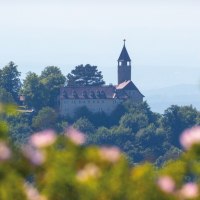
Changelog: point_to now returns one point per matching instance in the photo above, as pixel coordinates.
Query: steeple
(124, 65)
(124, 54)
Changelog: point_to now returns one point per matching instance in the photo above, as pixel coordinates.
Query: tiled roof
(129, 85)
(98, 92)
(122, 85)
(88, 92)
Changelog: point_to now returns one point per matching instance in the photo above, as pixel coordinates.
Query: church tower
(124, 66)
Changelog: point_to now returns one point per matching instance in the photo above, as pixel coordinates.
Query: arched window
(103, 95)
(75, 95)
(92, 94)
(85, 94)
(98, 94)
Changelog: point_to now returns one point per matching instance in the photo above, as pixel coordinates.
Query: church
(102, 98)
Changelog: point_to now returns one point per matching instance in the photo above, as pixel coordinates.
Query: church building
(102, 98)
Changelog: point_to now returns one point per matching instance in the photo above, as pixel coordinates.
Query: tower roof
(124, 54)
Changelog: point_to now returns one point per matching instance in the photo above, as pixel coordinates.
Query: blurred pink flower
(5, 152)
(166, 184)
(190, 136)
(35, 156)
(89, 171)
(111, 154)
(189, 191)
(43, 138)
(75, 136)
(32, 193)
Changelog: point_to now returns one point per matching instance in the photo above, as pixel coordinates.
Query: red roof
(88, 91)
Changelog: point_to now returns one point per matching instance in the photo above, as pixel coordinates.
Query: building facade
(102, 98)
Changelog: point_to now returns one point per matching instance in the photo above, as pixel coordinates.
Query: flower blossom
(111, 154)
(32, 193)
(166, 184)
(43, 139)
(35, 156)
(89, 171)
(5, 152)
(75, 136)
(189, 191)
(190, 137)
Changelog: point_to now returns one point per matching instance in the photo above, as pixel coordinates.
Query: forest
(140, 133)
(132, 154)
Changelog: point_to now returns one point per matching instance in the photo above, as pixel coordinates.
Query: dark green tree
(85, 76)
(5, 97)
(34, 91)
(10, 80)
(178, 118)
(45, 119)
(52, 79)
(134, 121)
(84, 125)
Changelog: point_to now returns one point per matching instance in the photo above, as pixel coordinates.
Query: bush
(60, 167)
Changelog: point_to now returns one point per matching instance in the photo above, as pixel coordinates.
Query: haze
(162, 38)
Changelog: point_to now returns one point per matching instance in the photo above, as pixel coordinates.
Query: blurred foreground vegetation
(59, 167)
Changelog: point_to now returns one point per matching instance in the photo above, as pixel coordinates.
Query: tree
(176, 119)
(141, 108)
(45, 119)
(52, 79)
(10, 80)
(34, 91)
(134, 121)
(5, 97)
(84, 125)
(85, 76)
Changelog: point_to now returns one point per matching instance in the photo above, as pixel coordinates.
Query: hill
(160, 99)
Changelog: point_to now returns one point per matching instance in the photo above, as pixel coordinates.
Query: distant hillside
(160, 99)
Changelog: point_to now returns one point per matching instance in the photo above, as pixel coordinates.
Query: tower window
(128, 63)
(120, 63)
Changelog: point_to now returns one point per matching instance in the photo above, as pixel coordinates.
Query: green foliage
(5, 97)
(178, 118)
(85, 76)
(45, 119)
(40, 91)
(84, 125)
(34, 91)
(52, 79)
(10, 80)
(62, 168)
(134, 121)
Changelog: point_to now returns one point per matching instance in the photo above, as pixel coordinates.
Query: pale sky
(163, 37)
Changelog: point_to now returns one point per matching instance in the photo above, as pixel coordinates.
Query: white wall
(68, 106)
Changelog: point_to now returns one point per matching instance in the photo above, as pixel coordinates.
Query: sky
(162, 37)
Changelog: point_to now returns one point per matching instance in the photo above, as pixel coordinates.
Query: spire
(124, 54)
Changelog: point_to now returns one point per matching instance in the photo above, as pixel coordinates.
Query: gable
(128, 85)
